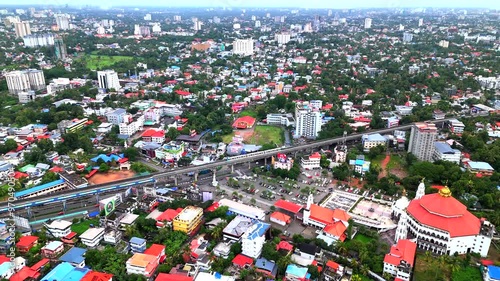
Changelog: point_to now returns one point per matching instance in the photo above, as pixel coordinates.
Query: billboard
(109, 207)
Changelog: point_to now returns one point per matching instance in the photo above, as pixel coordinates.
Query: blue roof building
(65, 272)
(493, 273)
(38, 189)
(294, 272)
(75, 256)
(6, 270)
(265, 266)
(106, 159)
(137, 245)
(253, 240)
(444, 152)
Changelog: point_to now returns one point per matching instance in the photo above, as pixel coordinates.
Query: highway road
(162, 176)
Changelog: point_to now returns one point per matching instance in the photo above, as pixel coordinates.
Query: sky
(334, 4)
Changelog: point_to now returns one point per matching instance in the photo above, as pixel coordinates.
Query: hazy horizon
(312, 4)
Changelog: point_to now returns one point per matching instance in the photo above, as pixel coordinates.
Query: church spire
(420, 190)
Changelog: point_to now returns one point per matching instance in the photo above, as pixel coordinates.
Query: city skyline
(313, 4)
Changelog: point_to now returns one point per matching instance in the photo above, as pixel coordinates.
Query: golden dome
(445, 192)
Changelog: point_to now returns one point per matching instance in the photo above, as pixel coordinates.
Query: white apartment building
(22, 29)
(280, 119)
(62, 21)
(311, 162)
(441, 224)
(25, 80)
(243, 47)
(108, 79)
(253, 240)
(116, 117)
(422, 138)
(39, 40)
(25, 97)
(444, 43)
(307, 121)
(58, 228)
(456, 126)
(368, 23)
(282, 38)
(132, 127)
(92, 237)
(444, 152)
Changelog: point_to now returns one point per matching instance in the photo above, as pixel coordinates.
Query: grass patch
(363, 238)
(267, 134)
(99, 62)
(378, 160)
(81, 227)
(261, 135)
(248, 113)
(395, 162)
(467, 274)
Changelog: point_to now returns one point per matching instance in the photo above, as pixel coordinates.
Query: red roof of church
(336, 229)
(445, 213)
(404, 250)
(288, 206)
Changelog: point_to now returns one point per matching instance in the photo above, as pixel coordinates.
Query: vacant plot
(84, 225)
(248, 113)
(259, 135)
(100, 62)
(396, 166)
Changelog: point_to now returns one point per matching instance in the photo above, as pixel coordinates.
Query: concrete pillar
(196, 176)
(232, 169)
(175, 180)
(249, 165)
(265, 161)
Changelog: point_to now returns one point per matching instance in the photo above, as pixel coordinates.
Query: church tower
(420, 190)
(307, 211)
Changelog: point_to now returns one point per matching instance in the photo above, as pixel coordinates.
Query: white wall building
(307, 121)
(39, 40)
(311, 162)
(253, 240)
(243, 47)
(400, 260)
(444, 152)
(368, 23)
(108, 79)
(58, 228)
(422, 138)
(62, 21)
(22, 29)
(442, 225)
(282, 38)
(373, 140)
(280, 119)
(25, 80)
(131, 127)
(92, 237)
(25, 97)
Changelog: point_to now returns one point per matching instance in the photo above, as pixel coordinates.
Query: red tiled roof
(168, 215)
(288, 206)
(404, 250)
(336, 229)
(212, 207)
(333, 265)
(172, 277)
(284, 245)
(244, 122)
(25, 274)
(26, 241)
(445, 213)
(242, 260)
(4, 258)
(155, 250)
(40, 264)
(281, 217)
(71, 235)
(153, 133)
(97, 276)
(340, 214)
(321, 214)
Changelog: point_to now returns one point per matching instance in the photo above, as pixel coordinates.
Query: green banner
(109, 207)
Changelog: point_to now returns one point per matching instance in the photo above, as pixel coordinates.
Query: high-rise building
(368, 23)
(197, 25)
(147, 17)
(39, 40)
(101, 30)
(420, 22)
(243, 47)
(60, 49)
(216, 20)
(307, 121)
(108, 79)
(22, 29)
(422, 139)
(282, 38)
(177, 18)
(156, 28)
(407, 37)
(137, 29)
(145, 31)
(257, 23)
(330, 13)
(444, 43)
(25, 80)
(10, 20)
(62, 21)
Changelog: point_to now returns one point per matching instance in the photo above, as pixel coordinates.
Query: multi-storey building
(368, 23)
(280, 119)
(243, 47)
(253, 240)
(39, 40)
(441, 224)
(131, 125)
(116, 117)
(142, 264)
(25, 80)
(456, 126)
(307, 121)
(108, 79)
(25, 97)
(444, 152)
(400, 260)
(92, 237)
(58, 228)
(22, 29)
(60, 49)
(188, 220)
(422, 138)
(282, 38)
(311, 162)
(282, 162)
(62, 21)
(373, 140)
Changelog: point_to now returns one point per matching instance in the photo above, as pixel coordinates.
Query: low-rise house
(267, 267)
(52, 249)
(137, 245)
(26, 243)
(400, 260)
(92, 237)
(142, 264)
(75, 256)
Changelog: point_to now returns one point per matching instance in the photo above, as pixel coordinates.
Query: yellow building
(188, 220)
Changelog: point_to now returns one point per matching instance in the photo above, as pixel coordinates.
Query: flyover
(161, 176)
